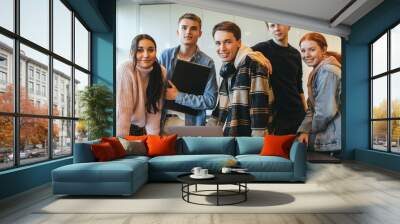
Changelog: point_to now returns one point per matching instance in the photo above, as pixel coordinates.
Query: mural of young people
(297, 75)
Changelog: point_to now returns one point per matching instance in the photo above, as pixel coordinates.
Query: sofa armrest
(83, 152)
(298, 155)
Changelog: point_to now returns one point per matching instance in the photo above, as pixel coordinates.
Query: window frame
(388, 74)
(15, 68)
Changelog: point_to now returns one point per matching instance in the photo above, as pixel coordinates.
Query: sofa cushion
(112, 171)
(129, 158)
(116, 145)
(277, 145)
(134, 147)
(207, 145)
(257, 163)
(249, 145)
(185, 163)
(161, 145)
(103, 151)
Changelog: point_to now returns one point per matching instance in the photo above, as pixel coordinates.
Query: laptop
(196, 131)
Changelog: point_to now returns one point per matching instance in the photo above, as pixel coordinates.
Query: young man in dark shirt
(286, 80)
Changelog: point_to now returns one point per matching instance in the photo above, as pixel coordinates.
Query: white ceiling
(317, 15)
(319, 9)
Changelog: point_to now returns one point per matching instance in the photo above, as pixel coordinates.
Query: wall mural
(193, 67)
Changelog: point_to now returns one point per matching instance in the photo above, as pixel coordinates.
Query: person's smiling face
(311, 53)
(227, 45)
(146, 54)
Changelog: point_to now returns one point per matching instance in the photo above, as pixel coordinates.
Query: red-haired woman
(321, 128)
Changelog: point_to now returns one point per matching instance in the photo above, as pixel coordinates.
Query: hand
(303, 138)
(172, 92)
(260, 58)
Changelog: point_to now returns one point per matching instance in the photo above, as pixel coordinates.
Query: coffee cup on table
(203, 172)
(226, 170)
(196, 170)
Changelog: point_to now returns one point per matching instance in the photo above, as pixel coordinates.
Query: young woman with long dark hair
(140, 89)
(321, 128)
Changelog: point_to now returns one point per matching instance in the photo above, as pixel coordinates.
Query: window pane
(62, 29)
(379, 55)
(81, 131)
(81, 45)
(7, 14)
(33, 140)
(81, 81)
(379, 97)
(62, 89)
(6, 74)
(395, 95)
(62, 141)
(35, 21)
(395, 47)
(6, 142)
(395, 132)
(34, 72)
(379, 135)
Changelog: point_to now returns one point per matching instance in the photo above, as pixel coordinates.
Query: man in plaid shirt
(245, 94)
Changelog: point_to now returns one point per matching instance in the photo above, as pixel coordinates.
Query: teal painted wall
(102, 58)
(24, 178)
(99, 15)
(103, 51)
(356, 73)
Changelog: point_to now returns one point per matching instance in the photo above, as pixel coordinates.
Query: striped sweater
(245, 99)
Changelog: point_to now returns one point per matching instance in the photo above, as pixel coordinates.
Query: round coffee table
(238, 179)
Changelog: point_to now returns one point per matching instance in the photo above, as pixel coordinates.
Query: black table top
(220, 178)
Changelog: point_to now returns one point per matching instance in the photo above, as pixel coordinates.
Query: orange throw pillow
(103, 152)
(135, 138)
(116, 145)
(277, 145)
(161, 145)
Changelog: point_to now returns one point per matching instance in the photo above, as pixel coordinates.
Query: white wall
(160, 21)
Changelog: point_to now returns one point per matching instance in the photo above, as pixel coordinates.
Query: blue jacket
(323, 122)
(203, 102)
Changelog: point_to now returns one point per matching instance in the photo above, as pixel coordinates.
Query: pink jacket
(131, 99)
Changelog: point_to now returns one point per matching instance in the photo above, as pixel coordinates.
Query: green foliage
(97, 102)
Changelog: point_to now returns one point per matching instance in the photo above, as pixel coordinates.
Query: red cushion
(277, 145)
(103, 151)
(116, 145)
(161, 145)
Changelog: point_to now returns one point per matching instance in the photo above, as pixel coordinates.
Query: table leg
(217, 194)
(182, 190)
(188, 190)
(245, 191)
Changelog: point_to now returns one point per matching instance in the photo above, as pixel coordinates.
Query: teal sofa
(125, 176)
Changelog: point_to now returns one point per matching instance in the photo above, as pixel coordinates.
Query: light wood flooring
(377, 188)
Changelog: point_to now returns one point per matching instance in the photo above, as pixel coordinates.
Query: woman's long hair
(321, 41)
(155, 86)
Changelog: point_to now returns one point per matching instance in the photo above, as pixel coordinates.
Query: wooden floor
(377, 188)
